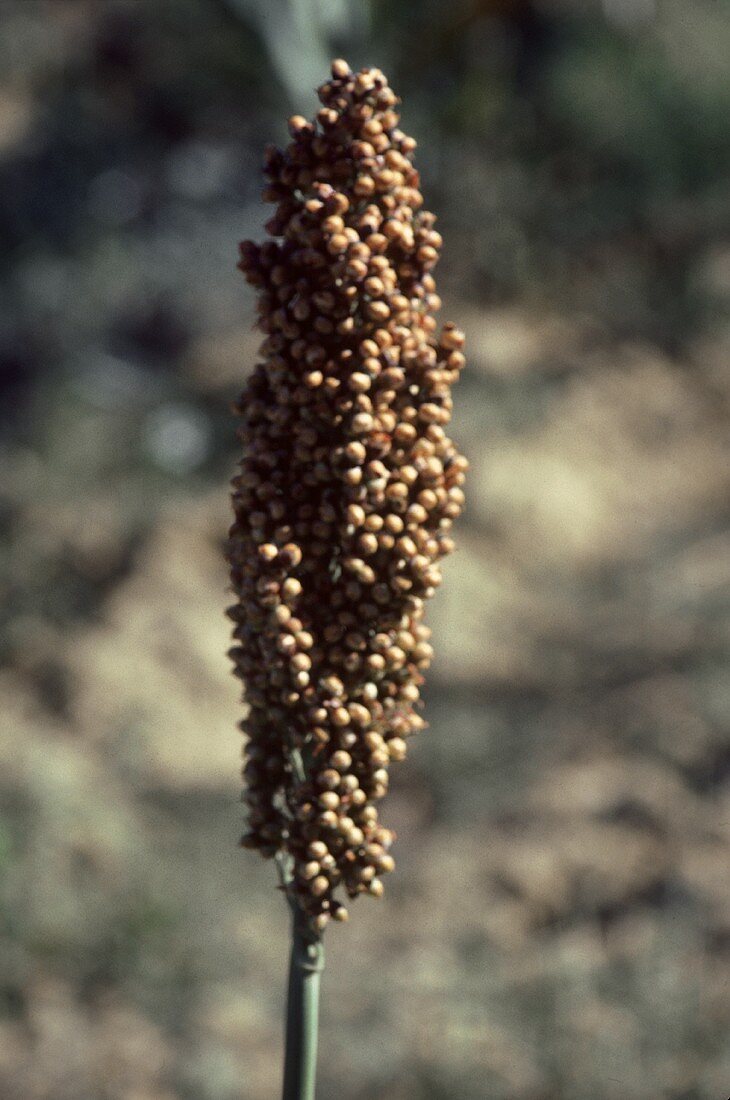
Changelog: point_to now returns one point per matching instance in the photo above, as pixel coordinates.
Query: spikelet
(347, 491)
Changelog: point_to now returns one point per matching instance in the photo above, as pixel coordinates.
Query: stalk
(306, 964)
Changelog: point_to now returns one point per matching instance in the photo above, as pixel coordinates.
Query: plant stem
(305, 966)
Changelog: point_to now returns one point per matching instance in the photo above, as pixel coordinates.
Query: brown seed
(377, 310)
(367, 543)
(361, 423)
(291, 588)
(359, 714)
(296, 124)
(290, 554)
(330, 780)
(319, 886)
(341, 760)
(364, 186)
(337, 244)
(340, 69)
(359, 383)
(397, 748)
(375, 287)
(452, 338)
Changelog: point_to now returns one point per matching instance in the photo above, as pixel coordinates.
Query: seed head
(347, 491)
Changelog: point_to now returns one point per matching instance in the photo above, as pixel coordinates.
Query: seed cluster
(347, 492)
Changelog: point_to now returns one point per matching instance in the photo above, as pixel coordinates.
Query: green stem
(305, 966)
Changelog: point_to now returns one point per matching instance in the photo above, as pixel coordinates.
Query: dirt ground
(558, 926)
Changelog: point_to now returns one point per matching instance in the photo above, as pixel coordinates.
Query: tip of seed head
(297, 124)
(340, 69)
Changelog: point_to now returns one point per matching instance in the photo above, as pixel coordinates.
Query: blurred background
(559, 924)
